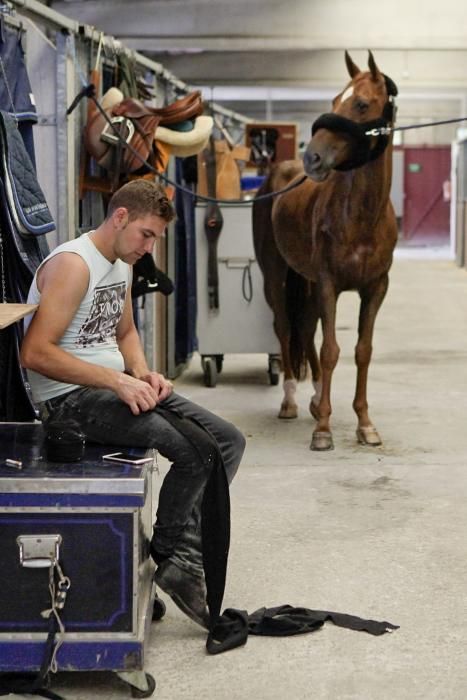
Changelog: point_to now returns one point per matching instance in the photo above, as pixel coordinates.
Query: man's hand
(160, 384)
(139, 394)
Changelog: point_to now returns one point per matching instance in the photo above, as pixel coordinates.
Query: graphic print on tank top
(105, 313)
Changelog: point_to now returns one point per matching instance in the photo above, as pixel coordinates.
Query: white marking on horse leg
(288, 405)
(290, 389)
(318, 387)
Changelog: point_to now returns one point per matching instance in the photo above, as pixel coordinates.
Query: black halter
(362, 151)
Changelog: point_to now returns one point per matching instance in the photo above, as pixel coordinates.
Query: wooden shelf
(10, 313)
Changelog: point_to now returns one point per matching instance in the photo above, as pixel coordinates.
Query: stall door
(426, 205)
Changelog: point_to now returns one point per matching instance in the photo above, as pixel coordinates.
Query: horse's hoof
(314, 410)
(288, 412)
(321, 440)
(368, 435)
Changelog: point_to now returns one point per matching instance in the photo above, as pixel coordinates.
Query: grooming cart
(243, 323)
(85, 528)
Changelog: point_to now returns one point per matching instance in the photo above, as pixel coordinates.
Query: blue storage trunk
(98, 515)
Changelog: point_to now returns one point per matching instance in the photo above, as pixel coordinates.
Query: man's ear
(120, 217)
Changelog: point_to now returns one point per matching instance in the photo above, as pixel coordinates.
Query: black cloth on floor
(234, 626)
(231, 629)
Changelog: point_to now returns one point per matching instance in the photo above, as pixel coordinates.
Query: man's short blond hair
(142, 198)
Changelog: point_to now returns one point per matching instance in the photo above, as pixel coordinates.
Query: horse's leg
(371, 299)
(309, 330)
(316, 379)
(289, 408)
(274, 269)
(322, 436)
(274, 286)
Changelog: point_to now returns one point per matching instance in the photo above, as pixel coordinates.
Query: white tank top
(91, 335)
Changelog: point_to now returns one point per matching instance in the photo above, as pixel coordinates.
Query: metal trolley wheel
(159, 609)
(137, 693)
(209, 365)
(274, 369)
(219, 362)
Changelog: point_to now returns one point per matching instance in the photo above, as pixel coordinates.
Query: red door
(426, 211)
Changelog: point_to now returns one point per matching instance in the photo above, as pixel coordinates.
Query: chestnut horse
(334, 232)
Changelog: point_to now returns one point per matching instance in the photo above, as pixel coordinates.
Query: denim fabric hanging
(16, 95)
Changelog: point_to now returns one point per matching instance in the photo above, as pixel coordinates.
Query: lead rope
(386, 130)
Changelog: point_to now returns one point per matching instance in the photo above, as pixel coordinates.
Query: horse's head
(340, 140)
(263, 148)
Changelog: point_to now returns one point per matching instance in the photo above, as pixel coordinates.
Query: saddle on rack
(134, 123)
(187, 107)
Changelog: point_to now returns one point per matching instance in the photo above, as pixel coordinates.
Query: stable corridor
(379, 533)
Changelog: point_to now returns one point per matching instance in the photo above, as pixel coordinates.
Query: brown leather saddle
(132, 122)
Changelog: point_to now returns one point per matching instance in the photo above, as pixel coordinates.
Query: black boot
(188, 592)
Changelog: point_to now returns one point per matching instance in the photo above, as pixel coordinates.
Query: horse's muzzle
(315, 166)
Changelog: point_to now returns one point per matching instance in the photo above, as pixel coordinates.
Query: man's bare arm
(63, 283)
(129, 344)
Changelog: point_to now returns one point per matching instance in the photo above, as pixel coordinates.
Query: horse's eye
(361, 106)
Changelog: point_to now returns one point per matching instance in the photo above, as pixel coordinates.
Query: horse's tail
(296, 292)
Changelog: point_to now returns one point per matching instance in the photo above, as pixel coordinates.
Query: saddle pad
(24, 198)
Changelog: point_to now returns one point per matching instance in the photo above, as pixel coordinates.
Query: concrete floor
(377, 532)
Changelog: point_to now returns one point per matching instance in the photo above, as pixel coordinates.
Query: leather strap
(29, 683)
(213, 222)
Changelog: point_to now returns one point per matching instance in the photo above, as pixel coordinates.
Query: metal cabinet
(243, 323)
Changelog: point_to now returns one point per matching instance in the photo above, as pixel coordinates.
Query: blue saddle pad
(25, 200)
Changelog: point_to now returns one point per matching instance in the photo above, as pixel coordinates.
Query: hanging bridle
(362, 134)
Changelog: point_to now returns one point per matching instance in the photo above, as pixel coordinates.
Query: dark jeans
(105, 419)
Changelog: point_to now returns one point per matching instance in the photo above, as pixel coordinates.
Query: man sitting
(85, 363)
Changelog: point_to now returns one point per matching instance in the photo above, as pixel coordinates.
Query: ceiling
(275, 60)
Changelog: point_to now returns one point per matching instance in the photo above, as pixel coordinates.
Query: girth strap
(213, 222)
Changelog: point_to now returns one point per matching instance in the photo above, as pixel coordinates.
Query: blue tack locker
(94, 518)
